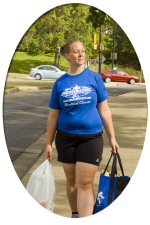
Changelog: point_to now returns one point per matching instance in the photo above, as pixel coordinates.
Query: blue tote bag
(110, 185)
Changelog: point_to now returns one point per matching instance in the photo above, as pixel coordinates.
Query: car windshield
(113, 71)
(47, 68)
(42, 68)
(120, 72)
(52, 68)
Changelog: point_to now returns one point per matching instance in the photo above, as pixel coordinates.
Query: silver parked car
(46, 72)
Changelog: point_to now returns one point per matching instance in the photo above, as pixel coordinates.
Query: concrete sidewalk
(130, 118)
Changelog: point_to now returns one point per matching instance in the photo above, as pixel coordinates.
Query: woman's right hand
(49, 152)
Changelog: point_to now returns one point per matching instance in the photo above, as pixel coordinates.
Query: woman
(78, 111)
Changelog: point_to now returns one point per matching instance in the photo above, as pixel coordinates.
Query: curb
(11, 90)
(29, 157)
(24, 88)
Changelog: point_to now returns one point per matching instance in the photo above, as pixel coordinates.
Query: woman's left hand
(114, 145)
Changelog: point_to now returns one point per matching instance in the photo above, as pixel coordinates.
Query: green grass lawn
(22, 62)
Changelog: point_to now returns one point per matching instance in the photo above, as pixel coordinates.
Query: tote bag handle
(116, 157)
(113, 173)
(107, 164)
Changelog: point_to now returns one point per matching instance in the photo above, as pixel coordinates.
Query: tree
(97, 18)
(79, 21)
(56, 27)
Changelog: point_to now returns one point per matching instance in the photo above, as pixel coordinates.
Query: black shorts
(74, 148)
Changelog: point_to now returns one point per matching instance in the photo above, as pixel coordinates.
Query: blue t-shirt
(77, 98)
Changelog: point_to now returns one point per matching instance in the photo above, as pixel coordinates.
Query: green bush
(33, 48)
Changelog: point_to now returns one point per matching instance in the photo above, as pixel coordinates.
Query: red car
(119, 76)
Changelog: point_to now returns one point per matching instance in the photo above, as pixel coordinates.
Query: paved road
(26, 113)
(25, 118)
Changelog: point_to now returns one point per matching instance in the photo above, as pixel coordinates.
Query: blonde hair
(65, 48)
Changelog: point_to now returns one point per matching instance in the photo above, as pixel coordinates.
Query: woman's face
(76, 55)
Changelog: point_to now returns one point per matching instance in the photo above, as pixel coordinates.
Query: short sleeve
(54, 100)
(102, 94)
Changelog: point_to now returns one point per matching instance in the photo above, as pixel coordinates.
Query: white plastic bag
(41, 185)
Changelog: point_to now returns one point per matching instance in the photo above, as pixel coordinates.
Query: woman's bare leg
(70, 185)
(84, 180)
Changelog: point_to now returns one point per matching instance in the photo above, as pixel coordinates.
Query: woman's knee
(70, 180)
(85, 175)
(84, 184)
(70, 173)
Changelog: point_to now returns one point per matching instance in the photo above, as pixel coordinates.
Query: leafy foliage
(79, 21)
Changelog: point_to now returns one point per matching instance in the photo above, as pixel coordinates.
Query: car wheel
(132, 81)
(107, 79)
(38, 76)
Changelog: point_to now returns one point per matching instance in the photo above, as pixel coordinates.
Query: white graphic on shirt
(76, 95)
